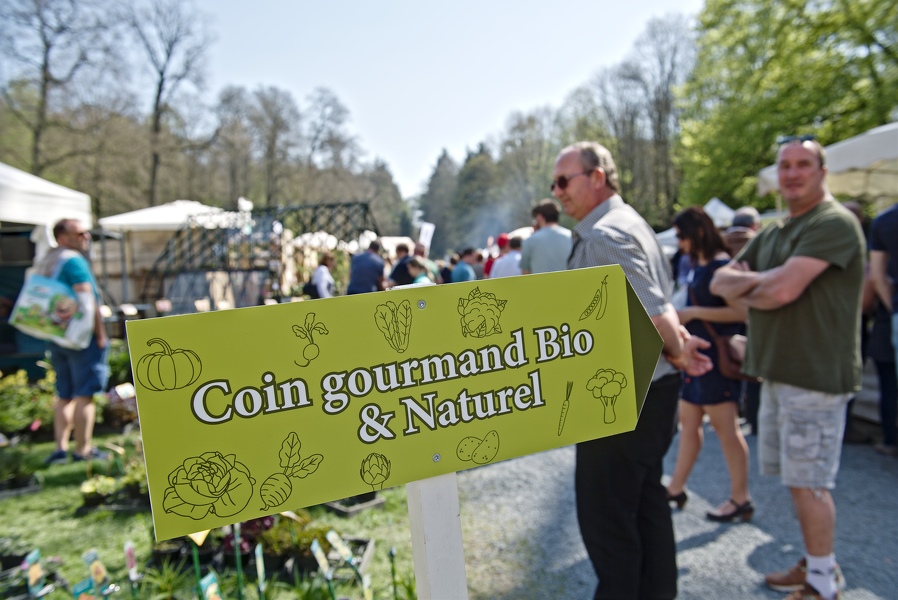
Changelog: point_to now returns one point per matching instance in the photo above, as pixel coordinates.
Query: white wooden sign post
(435, 523)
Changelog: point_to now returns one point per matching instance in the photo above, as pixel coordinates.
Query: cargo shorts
(800, 434)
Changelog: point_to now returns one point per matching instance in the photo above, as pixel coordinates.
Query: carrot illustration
(565, 406)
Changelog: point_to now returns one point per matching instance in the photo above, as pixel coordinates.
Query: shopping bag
(46, 308)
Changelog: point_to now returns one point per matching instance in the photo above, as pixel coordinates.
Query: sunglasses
(681, 235)
(563, 180)
(785, 139)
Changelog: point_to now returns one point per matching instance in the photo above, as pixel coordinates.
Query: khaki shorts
(800, 434)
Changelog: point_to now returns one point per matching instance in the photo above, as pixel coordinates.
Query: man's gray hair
(812, 145)
(596, 156)
(747, 216)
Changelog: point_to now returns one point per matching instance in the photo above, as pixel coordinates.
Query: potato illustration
(466, 447)
(487, 449)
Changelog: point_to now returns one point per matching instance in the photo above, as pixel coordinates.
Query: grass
(50, 520)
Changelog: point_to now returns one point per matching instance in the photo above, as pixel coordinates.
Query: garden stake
(239, 561)
(194, 548)
(393, 571)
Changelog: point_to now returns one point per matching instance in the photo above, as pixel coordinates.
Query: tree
(47, 45)
(473, 214)
(234, 141)
(174, 41)
(766, 69)
(389, 210)
(329, 145)
(663, 58)
(527, 152)
(274, 117)
(435, 203)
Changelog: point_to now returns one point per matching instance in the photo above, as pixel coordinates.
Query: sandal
(740, 511)
(678, 499)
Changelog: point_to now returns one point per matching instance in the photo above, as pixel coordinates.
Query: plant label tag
(35, 571)
(209, 585)
(84, 590)
(323, 564)
(340, 546)
(260, 567)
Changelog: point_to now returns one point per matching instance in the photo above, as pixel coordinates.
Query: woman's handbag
(730, 352)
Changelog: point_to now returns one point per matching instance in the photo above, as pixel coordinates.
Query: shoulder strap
(707, 325)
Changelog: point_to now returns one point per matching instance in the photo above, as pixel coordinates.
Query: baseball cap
(503, 240)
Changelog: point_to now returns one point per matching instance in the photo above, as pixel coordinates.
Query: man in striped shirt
(622, 506)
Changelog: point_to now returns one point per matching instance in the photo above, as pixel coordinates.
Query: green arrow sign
(255, 411)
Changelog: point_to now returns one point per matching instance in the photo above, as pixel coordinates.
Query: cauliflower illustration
(606, 385)
(480, 314)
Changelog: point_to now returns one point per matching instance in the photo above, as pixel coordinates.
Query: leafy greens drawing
(395, 322)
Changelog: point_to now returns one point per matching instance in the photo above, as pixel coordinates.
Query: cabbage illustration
(208, 483)
(480, 314)
(375, 470)
(606, 385)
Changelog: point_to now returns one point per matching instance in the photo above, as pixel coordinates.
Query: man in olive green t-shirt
(801, 280)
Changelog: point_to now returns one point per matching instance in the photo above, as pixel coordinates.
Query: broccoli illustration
(480, 313)
(606, 385)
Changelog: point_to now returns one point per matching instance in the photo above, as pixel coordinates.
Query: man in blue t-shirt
(366, 271)
(79, 373)
(463, 271)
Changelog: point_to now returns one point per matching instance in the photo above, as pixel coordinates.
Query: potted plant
(17, 469)
(288, 540)
(97, 490)
(13, 551)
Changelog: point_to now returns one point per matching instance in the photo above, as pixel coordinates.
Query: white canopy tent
(164, 217)
(865, 165)
(30, 200)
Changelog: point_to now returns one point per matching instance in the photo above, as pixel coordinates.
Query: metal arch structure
(238, 259)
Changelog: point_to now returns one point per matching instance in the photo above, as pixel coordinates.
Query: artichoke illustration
(480, 314)
(375, 470)
(208, 483)
(606, 385)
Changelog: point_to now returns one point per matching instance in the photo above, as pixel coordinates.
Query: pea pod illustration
(599, 302)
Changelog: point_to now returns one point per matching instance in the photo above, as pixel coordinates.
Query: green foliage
(168, 581)
(23, 403)
(768, 68)
(288, 538)
(405, 586)
(472, 217)
(119, 363)
(436, 203)
(17, 462)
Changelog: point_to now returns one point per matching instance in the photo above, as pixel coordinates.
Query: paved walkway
(522, 542)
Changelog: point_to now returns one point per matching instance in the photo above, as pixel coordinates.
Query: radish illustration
(311, 351)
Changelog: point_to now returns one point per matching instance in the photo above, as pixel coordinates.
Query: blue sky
(421, 76)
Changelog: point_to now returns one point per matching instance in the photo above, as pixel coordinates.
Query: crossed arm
(766, 290)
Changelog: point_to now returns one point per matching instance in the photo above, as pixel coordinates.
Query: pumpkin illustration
(169, 369)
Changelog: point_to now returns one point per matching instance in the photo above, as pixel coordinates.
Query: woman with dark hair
(711, 394)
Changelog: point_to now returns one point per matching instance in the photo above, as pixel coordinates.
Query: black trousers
(622, 506)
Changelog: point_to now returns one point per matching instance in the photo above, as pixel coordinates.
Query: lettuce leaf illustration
(208, 483)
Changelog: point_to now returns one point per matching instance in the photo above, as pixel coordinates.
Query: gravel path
(522, 541)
